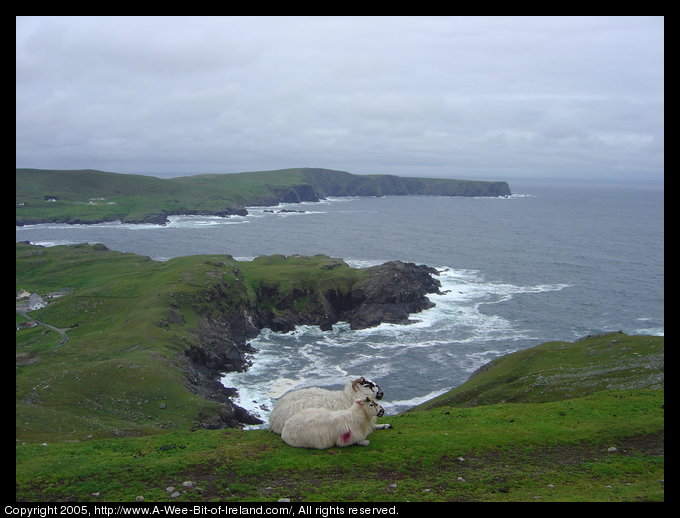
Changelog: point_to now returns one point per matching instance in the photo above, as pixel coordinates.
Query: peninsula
(90, 196)
(148, 341)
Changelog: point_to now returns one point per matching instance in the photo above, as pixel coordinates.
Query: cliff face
(44, 196)
(390, 293)
(233, 314)
(338, 183)
(387, 293)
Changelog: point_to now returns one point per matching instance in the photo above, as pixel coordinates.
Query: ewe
(323, 428)
(292, 402)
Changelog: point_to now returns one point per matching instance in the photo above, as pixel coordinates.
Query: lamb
(322, 428)
(292, 402)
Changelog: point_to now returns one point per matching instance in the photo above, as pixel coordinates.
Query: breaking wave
(445, 344)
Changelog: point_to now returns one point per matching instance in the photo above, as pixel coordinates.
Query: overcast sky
(465, 97)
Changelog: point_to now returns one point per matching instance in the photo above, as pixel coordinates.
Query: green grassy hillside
(91, 196)
(562, 370)
(604, 445)
(85, 196)
(120, 371)
(130, 324)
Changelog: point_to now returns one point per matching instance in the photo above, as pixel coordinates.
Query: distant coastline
(90, 196)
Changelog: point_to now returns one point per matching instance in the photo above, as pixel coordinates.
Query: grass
(299, 278)
(129, 320)
(108, 416)
(563, 370)
(130, 197)
(556, 451)
(123, 359)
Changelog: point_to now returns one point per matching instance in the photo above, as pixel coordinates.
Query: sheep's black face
(379, 410)
(373, 387)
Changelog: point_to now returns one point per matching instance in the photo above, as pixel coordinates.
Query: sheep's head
(365, 386)
(372, 406)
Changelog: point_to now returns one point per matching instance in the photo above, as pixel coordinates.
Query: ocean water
(550, 262)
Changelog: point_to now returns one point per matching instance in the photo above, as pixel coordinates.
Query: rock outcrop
(391, 292)
(388, 293)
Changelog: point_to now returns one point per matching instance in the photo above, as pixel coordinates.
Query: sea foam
(445, 343)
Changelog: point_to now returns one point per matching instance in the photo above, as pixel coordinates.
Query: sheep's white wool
(323, 428)
(315, 397)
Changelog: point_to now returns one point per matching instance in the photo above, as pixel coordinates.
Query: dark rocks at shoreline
(204, 369)
(65, 221)
(389, 293)
(151, 219)
(225, 213)
(296, 194)
(148, 219)
(221, 346)
(222, 213)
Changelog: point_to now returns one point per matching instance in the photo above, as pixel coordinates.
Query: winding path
(62, 332)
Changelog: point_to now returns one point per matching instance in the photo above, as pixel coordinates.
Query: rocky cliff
(386, 293)
(234, 313)
(149, 341)
(327, 182)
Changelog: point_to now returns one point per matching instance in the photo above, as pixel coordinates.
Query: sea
(553, 261)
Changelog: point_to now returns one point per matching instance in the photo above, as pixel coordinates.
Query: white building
(35, 301)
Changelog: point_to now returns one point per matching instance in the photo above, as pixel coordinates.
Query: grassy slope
(128, 321)
(550, 451)
(135, 196)
(119, 365)
(561, 370)
(534, 425)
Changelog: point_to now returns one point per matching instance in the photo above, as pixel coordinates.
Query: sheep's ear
(360, 402)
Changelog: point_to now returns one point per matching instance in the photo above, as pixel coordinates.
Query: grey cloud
(456, 96)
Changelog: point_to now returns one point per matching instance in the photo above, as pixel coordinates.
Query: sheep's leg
(365, 442)
(382, 426)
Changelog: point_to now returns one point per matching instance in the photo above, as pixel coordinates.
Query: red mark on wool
(346, 436)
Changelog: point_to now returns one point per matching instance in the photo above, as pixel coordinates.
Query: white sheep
(323, 428)
(292, 402)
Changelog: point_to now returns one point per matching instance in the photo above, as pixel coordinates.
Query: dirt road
(62, 332)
